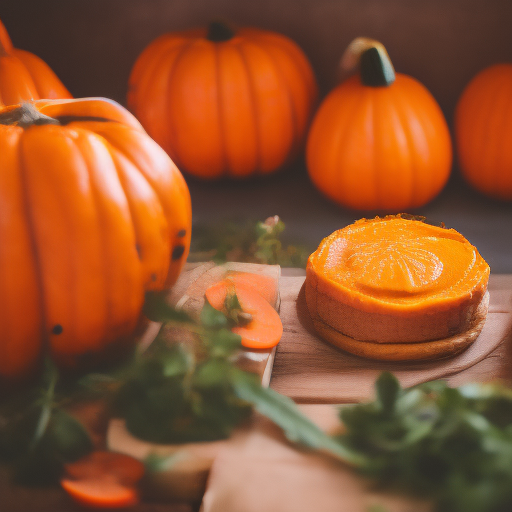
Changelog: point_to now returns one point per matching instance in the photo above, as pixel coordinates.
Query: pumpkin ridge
(140, 81)
(287, 45)
(27, 207)
(424, 119)
(220, 111)
(145, 89)
(113, 317)
(114, 145)
(47, 86)
(20, 318)
(12, 66)
(172, 128)
(100, 226)
(501, 123)
(255, 113)
(152, 52)
(284, 84)
(339, 168)
(402, 115)
(502, 164)
(184, 190)
(372, 100)
(114, 150)
(480, 140)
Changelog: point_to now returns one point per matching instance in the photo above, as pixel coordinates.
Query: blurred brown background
(92, 45)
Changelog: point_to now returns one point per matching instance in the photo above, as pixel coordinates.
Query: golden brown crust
(384, 327)
(407, 351)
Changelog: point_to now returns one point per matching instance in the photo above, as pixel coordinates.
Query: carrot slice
(103, 480)
(101, 492)
(122, 468)
(264, 285)
(265, 329)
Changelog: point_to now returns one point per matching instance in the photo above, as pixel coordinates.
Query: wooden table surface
(261, 457)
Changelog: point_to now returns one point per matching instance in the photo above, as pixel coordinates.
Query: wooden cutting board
(311, 370)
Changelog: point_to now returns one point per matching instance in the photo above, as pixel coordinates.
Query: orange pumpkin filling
(395, 280)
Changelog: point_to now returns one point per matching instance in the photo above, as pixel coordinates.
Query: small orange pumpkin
(224, 102)
(94, 213)
(379, 140)
(24, 76)
(483, 131)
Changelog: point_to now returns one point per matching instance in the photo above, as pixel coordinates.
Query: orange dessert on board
(397, 289)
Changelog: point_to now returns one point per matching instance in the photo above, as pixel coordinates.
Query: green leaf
(284, 413)
(453, 446)
(388, 390)
(211, 318)
(42, 424)
(212, 373)
(231, 301)
(157, 310)
(66, 437)
(223, 343)
(155, 463)
(176, 361)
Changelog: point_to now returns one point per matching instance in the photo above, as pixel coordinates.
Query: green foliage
(450, 445)
(283, 412)
(36, 435)
(253, 242)
(175, 393)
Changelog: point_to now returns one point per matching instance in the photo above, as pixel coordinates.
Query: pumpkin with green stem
(379, 141)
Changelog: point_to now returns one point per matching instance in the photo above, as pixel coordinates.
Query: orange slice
(393, 281)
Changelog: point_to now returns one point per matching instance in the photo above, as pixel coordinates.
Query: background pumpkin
(223, 102)
(379, 140)
(94, 213)
(23, 76)
(483, 131)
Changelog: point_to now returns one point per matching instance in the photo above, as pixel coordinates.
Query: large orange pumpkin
(483, 131)
(24, 76)
(379, 140)
(223, 102)
(93, 213)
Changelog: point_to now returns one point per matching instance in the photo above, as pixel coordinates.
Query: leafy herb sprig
(252, 242)
(170, 393)
(453, 445)
(37, 435)
(194, 392)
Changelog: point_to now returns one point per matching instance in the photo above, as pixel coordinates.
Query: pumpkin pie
(395, 288)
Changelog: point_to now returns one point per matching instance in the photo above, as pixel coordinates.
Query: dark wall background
(92, 45)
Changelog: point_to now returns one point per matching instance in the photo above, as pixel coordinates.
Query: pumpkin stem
(375, 65)
(219, 31)
(25, 116)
